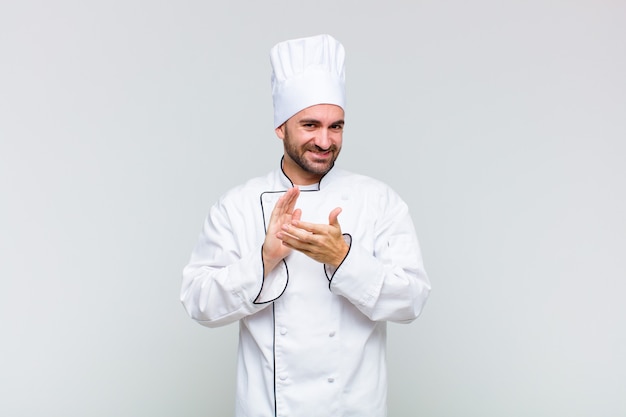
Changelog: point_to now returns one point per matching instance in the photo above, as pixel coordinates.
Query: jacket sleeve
(223, 281)
(388, 283)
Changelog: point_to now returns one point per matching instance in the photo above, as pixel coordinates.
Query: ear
(280, 131)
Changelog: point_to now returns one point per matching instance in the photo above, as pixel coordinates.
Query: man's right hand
(284, 212)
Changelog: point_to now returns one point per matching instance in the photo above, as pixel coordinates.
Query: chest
(358, 216)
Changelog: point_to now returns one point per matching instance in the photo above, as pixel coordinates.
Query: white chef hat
(306, 72)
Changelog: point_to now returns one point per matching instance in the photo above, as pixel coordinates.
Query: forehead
(322, 112)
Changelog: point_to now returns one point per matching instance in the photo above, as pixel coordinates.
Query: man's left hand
(322, 242)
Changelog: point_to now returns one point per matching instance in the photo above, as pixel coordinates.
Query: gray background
(501, 123)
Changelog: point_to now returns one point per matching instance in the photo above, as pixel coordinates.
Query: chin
(321, 170)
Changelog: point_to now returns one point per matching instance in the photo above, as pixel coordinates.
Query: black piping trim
(261, 203)
(263, 283)
(283, 261)
(319, 184)
(274, 356)
(330, 280)
(283, 171)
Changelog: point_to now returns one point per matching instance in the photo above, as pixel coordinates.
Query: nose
(323, 139)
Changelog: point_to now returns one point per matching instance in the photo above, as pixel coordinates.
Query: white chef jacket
(311, 338)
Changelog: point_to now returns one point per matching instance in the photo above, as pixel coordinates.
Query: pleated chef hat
(306, 72)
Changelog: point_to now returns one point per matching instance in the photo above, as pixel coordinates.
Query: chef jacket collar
(286, 181)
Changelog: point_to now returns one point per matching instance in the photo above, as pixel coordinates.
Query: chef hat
(306, 72)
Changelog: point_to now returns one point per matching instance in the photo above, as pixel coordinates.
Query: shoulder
(363, 185)
(374, 200)
(248, 191)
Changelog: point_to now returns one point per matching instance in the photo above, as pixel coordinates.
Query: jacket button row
(283, 331)
(282, 377)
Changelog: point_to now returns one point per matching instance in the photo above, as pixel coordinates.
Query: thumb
(332, 217)
(297, 214)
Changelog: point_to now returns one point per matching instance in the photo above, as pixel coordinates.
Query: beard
(314, 166)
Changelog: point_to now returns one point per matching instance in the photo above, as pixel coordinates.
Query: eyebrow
(317, 122)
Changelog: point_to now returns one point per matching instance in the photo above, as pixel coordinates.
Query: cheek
(302, 139)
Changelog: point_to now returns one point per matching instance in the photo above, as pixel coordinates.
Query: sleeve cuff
(274, 284)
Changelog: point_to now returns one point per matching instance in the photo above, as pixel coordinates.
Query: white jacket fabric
(312, 339)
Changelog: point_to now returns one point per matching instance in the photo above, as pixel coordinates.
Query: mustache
(331, 148)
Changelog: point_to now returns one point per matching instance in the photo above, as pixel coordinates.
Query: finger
(332, 217)
(286, 202)
(291, 195)
(295, 232)
(288, 239)
(308, 227)
(294, 242)
(297, 215)
(281, 202)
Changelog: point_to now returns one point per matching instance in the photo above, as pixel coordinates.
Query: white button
(331, 379)
(282, 377)
(283, 331)
(331, 334)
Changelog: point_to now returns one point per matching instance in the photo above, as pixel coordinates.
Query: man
(312, 294)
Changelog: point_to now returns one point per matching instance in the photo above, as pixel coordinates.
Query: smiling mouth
(321, 152)
(321, 156)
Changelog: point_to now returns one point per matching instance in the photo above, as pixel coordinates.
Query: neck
(297, 175)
